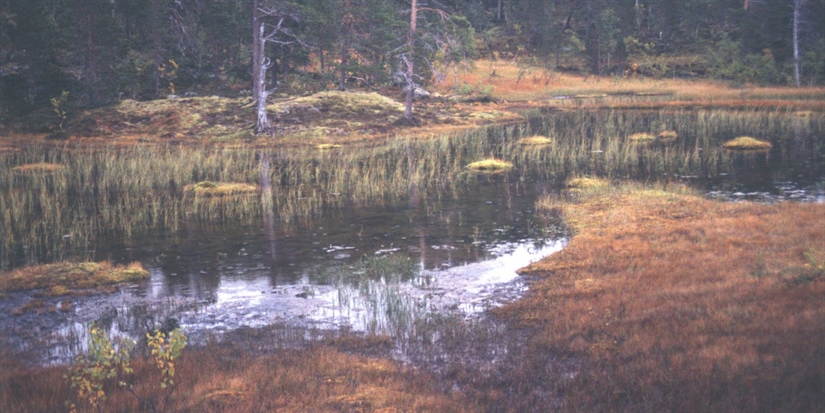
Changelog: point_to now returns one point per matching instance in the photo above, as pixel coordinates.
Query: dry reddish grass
(513, 82)
(228, 379)
(677, 303)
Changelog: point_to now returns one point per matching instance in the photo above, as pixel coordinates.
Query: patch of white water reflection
(378, 306)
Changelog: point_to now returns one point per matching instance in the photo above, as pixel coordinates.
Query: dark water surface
(394, 269)
(371, 270)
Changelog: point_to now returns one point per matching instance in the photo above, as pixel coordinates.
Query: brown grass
(677, 303)
(60, 278)
(223, 378)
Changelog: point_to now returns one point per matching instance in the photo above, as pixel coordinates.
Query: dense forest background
(88, 53)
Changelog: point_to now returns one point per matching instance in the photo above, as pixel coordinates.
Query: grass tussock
(326, 146)
(642, 137)
(587, 184)
(536, 140)
(746, 143)
(490, 165)
(60, 278)
(209, 188)
(37, 168)
(224, 378)
(667, 136)
(676, 303)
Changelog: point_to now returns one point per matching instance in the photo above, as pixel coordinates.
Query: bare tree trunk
(638, 17)
(259, 75)
(409, 61)
(499, 9)
(257, 40)
(797, 6)
(347, 25)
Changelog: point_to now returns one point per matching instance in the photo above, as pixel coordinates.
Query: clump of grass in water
(490, 165)
(37, 168)
(667, 136)
(61, 277)
(327, 146)
(587, 184)
(746, 143)
(208, 188)
(642, 137)
(536, 140)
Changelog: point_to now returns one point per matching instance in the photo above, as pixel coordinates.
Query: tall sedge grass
(126, 192)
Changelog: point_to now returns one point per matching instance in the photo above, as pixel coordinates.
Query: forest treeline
(88, 53)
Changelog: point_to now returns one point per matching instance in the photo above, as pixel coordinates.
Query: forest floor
(488, 92)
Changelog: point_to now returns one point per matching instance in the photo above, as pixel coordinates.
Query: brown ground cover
(225, 378)
(676, 303)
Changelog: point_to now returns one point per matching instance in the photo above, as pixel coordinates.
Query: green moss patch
(746, 143)
(209, 188)
(60, 278)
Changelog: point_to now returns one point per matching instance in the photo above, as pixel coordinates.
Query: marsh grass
(61, 278)
(128, 191)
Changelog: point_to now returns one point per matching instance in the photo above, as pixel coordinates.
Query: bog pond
(379, 239)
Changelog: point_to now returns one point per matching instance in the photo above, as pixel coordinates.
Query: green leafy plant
(59, 107)
(107, 362)
(104, 362)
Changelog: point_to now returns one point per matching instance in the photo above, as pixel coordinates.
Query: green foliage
(93, 371)
(107, 363)
(644, 57)
(59, 107)
(727, 62)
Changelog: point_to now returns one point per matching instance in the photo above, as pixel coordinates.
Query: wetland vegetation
(592, 208)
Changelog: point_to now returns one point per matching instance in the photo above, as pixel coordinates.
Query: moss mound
(746, 143)
(536, 140)
(209, 188)
(581, 184)
(490, 165)
(37, 168)
(60, 278)
(642, 137)
(327, 146)
(667, 136)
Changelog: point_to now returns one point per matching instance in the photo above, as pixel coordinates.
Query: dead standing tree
(269, 25)
(407, 58)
